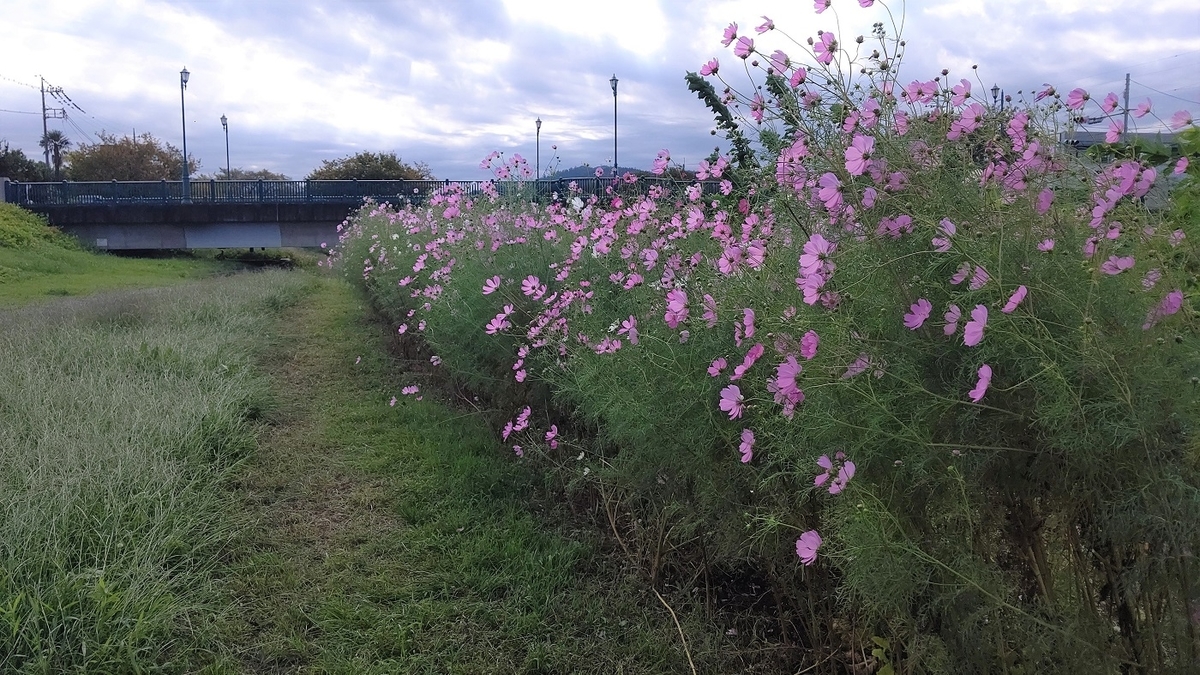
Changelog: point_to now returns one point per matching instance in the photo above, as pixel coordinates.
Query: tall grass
(120, 417)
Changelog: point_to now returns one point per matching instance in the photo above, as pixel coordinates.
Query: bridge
(131, 215)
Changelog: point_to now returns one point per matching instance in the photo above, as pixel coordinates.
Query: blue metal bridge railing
(68, 193)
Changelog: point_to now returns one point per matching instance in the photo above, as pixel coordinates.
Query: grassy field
(125, 415)
(37, 262)
(405, 539)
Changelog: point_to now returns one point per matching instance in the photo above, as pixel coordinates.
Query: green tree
(238, 173)
(16, 166)
(127, 158)
(371, 166)
(56, 142)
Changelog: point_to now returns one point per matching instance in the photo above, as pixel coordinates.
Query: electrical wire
(23, 84)
(1159, 91)
(21, 112)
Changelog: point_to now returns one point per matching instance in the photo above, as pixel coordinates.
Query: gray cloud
(448, 82)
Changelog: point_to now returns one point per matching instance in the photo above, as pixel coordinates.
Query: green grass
(406, 539)
(123, 415)
(38, 262)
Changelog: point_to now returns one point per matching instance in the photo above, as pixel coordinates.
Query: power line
(21, 112)
(23, 84)
(1159, 91)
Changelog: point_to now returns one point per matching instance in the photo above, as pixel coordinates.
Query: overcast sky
(447, 82)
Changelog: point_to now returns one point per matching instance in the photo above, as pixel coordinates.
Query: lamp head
(183, 76)
(613, 82)
(995, 93)
(224, 121)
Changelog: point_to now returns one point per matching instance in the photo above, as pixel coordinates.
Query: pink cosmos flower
(858, 367)
(1077, 98)
(752, 356)
(844, 474)
(858, 154)
(710, 311)
(1176, 238)
(865, 3)
(780, 61)
(1109, 103)
(410, 390)
(1115, 265)
(747, 446)
(948, 229)
(392, 402)
(518, 451)
(786, 374)
(718, 365)
(1180, 119)
(529, 285)
(961, 275)
(821, 5)
(497, 324)
(973, 331)
(809, 344)
(901, 122)
(809, 542)
(1044, 199)
(961, 91)
(981, 387)
(979, 278)
(1169, 305)
(730, 34)
(825, 48)
(868, 197)
(830, 192)
(1015, 299)
(710, 68)
(552, 436)
(798, 77)
(1046, 245)
(1114, 132)
(629, 327)
(1151, 278)
(1142, 110)
(491, 285)
(968, 121)
(677, 310)
(1181, 166)
(919, 313)
(744, 47)
(732, 401)
(767, 25)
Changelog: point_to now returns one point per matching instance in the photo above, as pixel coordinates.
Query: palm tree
(56, 143)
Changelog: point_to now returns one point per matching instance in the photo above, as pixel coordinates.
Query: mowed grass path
(405, 540)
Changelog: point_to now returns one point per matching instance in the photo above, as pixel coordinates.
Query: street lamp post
(538, 124)
(225, 126)
(613, 82)
(998, 96)
(183, 80)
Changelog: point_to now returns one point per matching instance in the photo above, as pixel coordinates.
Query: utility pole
(1125, 127)
(48, 113)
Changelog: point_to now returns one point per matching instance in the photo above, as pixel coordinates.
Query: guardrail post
(165, 193)
(260, 190)
(307, 190)
(212, 190)
(4, 190)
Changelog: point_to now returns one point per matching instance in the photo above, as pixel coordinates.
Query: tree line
(144, 157)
